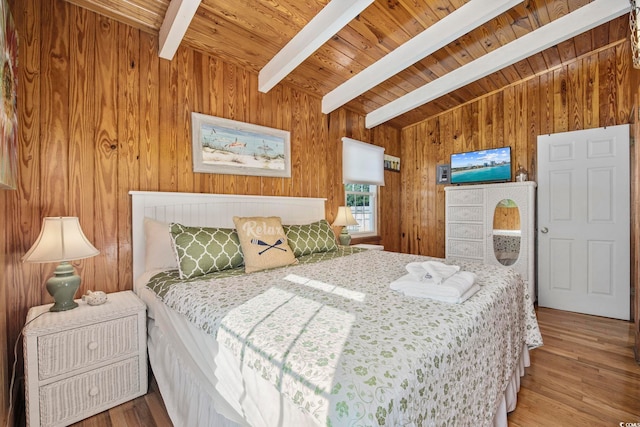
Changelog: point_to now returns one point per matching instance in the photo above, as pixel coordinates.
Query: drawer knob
(92, 345)
(93, 391)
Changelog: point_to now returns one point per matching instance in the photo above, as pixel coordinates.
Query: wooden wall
(100, 114)
(590, 92)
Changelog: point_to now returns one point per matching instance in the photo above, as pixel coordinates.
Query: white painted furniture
(370, 246)
(83, 361)
(469, 225)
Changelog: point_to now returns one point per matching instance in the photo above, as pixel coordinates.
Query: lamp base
(63, 286)
(344, 237)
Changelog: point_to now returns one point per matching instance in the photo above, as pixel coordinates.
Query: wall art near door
(391, 163)
(8, 107)
(230, 147)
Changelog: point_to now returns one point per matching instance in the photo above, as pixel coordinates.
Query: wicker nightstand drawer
(92, 392)
(68, 351)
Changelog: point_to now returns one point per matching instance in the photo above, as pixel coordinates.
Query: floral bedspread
(344, 348)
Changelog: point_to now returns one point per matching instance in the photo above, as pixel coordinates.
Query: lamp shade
(61, 239)
(344, 217)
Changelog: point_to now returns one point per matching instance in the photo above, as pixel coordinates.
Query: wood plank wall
(593, 91)
(100, 114)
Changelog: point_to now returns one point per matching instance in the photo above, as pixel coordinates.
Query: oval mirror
(506, 232)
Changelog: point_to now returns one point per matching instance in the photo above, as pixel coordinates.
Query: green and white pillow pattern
(311, 238)
(203, 250)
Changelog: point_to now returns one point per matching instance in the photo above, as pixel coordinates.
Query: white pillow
(159, 252)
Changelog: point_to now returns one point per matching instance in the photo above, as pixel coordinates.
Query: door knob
(544, 230)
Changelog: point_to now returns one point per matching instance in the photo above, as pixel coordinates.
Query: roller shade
(362, 163)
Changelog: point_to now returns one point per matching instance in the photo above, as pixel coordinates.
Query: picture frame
(8, 97)
(391, 163)
(225, 146)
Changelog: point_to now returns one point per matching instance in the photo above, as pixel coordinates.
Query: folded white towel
(472, 290)
(455, 289)
(431, 271)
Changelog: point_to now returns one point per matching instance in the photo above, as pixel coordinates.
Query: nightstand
(84, 361)
(370, 247)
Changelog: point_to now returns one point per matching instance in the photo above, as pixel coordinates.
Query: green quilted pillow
(203, 250)
(311, 238)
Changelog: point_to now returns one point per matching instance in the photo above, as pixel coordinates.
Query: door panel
(583, 221)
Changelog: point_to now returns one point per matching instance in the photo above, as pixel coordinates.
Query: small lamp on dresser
(61, 240)
(344, 218)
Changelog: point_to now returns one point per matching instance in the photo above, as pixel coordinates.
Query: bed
(324, 341)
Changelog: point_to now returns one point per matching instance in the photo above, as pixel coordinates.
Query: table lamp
(61, 240)
(343, 219)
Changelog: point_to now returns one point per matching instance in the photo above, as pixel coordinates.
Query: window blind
(362, 163)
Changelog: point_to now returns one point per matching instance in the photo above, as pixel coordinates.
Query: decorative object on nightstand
(94, 298)
(61, 240)
(344, 218)
(81, 362)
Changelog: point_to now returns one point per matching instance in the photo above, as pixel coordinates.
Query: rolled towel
(417, 271)
(431, 271)
(440, 271)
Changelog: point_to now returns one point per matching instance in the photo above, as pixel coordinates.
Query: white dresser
(83, 361)
(470, 233)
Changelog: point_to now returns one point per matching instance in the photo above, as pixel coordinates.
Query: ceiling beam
(458, 23)
(331, 19)
(174, 26)
(583, 19)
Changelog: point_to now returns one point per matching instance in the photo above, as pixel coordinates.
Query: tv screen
(492, 165)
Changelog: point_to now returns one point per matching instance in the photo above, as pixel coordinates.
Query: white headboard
(212, 210)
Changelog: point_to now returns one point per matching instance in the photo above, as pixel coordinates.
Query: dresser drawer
(465, 213)
(473, 249)
(465, 197)
(68, 351)
(70, 400)
(465, 230)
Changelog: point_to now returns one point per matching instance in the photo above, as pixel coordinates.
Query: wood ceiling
(251, 32)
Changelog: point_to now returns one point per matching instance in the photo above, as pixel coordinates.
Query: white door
(583, 221)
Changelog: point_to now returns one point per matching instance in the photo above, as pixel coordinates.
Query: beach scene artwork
(231, 147)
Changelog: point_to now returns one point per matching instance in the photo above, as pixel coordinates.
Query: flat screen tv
(492, 165)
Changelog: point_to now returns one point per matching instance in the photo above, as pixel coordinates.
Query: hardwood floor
(584, 375)
(145, 411)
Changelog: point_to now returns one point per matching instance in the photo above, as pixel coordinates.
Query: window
(362, 200)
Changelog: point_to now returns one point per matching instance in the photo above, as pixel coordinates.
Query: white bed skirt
(189, 392)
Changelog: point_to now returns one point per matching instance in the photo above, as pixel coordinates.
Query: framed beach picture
(8, 96)
(231, 147)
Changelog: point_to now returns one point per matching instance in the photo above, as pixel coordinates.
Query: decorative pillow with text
(264, 243)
